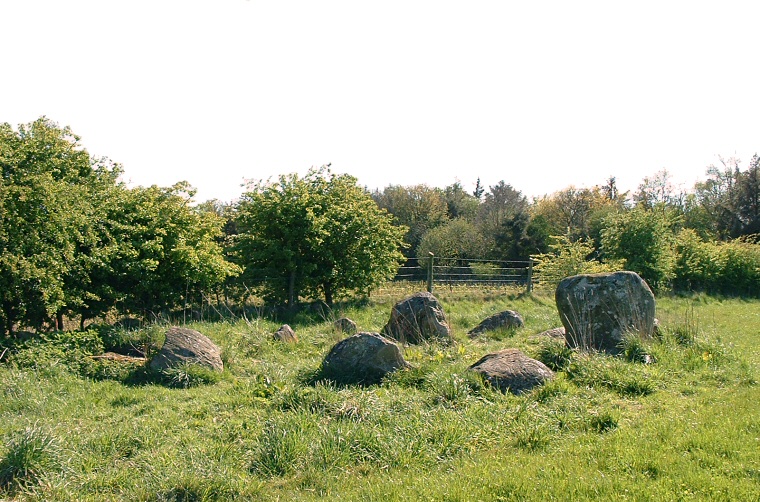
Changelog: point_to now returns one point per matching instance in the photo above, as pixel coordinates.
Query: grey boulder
(187, 346)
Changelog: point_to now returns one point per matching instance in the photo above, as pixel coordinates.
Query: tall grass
(605, 428)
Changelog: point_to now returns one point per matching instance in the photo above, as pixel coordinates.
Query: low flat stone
(511, 370)
(509, 319)
(554, 333)
(345, 325)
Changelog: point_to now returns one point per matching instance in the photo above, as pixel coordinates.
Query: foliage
(75, 241)
(729, 268)
(457, 238)
(166, 250)
(567, 258)
(419, 208)
(501, 203)
(317, 235)
(47, 188)
(643, 240)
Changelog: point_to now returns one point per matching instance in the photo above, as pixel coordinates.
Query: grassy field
(607, 428)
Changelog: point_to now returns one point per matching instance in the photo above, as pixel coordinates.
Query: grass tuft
(31, 454)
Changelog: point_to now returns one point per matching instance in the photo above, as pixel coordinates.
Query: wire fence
(456, 271)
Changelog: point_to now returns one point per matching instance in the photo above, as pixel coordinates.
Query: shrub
(644, 241)
(565, 259)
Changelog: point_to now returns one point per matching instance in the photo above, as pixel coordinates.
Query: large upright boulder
(513, 371)
(187, 346)
(418, 318)
(363, 358)
(597, 310)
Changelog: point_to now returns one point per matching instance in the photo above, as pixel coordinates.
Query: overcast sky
(538, 94)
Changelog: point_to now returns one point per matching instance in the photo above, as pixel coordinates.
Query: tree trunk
(328, 293)
(292, 290)
(59, 321)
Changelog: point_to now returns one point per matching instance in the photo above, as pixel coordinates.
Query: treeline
(705, 238)
(76, 242)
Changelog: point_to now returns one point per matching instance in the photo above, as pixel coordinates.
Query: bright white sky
(540, 94)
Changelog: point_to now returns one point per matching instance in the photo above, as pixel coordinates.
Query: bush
(565, 259)
(730, 268)
(644, 241)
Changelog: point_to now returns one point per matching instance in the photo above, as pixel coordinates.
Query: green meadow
(685, 427)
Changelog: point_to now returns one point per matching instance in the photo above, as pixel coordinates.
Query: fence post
(530, 275)
(430, 273)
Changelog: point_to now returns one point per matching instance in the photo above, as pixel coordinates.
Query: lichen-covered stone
(345, 325)
(598, 310)
(285, 334)
(554, 333)
(509, 319)
(418, 318)
(513, 371)
(187, 346)
(363, 358)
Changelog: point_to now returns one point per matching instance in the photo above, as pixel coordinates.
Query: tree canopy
(320, 235)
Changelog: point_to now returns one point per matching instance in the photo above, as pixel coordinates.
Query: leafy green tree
(502, 202)
(718, 196)
(46, 182)
(644, 241)
(165, 250)
(454, 239)
(419, 208)
(459, 203)
(320, 234)
(749, 197)
(521, 236)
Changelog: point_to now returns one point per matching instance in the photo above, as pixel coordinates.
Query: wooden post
(430, 273)
(530, 275)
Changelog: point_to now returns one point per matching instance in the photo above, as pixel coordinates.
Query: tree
(644, 240)
(46, 187)
(419, 208)
(459, 203)
(454, 239)
(748, 186)
(165, 250)
(522, 236)
(478, 192)
(657, 190)
(320, 234)
(501, 203)
(719, 196)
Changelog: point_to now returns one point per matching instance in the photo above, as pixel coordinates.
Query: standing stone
(511, 370)
(509, 319)
(363, 358)
(285, 334)
(187, 346)
(418, 318)
(345, 325)
(598, 310)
